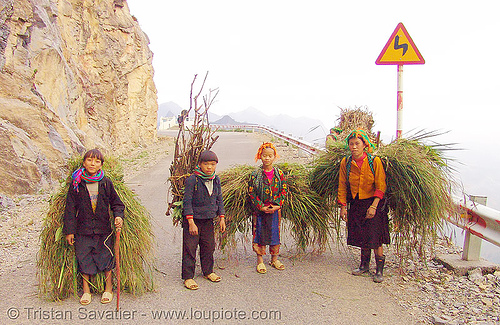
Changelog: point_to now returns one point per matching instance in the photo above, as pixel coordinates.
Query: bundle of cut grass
(306, 211)
(57, 267)
(418, 187)
(355, 118)
(234, 183)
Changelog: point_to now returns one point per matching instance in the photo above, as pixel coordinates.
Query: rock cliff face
(74, 75)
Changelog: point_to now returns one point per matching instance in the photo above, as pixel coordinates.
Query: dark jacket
(198, 203)
(79, 218)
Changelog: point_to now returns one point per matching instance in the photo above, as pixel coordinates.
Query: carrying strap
(348, 166)
(349, 162)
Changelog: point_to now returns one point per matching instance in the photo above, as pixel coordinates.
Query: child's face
(208, 167)
(267, 157)
(357, 147)
(92, 165)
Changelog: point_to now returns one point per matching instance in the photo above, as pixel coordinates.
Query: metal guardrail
(477, 219)
(300, 143)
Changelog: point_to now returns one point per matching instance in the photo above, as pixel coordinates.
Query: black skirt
(367, 233)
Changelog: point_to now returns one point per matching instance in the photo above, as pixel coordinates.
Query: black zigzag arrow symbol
(400, 46)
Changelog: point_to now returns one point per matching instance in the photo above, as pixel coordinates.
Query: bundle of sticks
(191, 141)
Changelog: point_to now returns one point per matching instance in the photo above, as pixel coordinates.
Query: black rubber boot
(364, 266)
(379, 275)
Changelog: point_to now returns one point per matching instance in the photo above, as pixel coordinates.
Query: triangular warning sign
(400, 49)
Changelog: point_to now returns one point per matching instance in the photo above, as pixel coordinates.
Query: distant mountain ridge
(173, 109)
(310, 129)
(226, 120)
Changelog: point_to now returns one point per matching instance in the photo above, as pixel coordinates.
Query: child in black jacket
(201, 204)
(86, 222)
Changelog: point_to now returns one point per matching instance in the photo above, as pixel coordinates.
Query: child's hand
(222, 223)
(118, 222)
(270, 208)
(273, 208)
(343, 213)
(193, 228)
(70, 239)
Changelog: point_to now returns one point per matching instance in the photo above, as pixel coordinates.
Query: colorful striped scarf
(81, 174)
(198, 172)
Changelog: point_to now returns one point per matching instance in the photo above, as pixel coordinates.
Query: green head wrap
(363, 136)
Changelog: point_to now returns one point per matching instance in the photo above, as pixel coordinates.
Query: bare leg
(86, 279)
(260, 259)
(86, 297)
(109, 283)
(274, 250)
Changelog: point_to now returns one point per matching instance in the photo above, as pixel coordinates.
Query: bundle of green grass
(307, 213)
(57, 266)
(419, 181)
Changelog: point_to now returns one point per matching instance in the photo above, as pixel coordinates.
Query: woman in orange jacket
(361, 197)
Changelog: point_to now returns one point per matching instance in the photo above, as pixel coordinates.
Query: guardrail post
(472, 243)
(300, 152)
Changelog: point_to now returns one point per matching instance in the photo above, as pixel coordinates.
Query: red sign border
(402, 27)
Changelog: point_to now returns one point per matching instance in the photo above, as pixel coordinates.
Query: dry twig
(190, 142)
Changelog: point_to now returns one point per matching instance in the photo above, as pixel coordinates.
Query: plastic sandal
(86, 299)
(106, 297)
(191, 284)
(213, 277)
(277, 265)
(261, 268)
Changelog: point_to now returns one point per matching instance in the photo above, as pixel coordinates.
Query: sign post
(399, 129)
(400, 50)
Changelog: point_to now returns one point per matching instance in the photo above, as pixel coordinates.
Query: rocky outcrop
(74, 75)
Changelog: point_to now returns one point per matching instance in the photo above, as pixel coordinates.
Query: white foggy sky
(309, 57)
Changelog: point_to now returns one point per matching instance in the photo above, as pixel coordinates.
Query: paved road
(312, 290)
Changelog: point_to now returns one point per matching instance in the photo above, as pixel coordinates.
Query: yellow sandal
(277, 265)
(213, 277)
(261, 268)
(191, 284)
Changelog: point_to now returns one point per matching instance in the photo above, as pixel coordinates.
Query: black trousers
(206, 240)
(94, 253)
